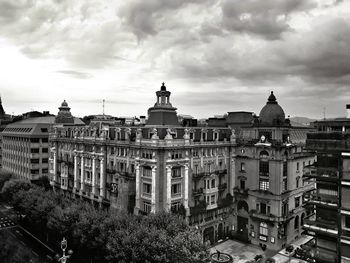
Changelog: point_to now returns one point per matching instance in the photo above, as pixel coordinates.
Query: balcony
(111, 170)
(324, 200)
(222, 187)
(199, 175)
(197, 192)
(321, 173)
(126, 174)
(221, 172)
(345, 234)
(264, 216)
(240, 192)
(321, 226)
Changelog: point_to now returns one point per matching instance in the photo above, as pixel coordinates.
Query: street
(22, 238)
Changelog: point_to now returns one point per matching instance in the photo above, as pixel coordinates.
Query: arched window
(296, 222)
(264, 154)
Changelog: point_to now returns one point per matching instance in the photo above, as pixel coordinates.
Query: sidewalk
(240, 252)
(282, 256)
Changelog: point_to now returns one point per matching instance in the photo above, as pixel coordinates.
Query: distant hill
(301, 121)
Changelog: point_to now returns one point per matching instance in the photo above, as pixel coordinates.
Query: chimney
(143, 119)
(348, 110)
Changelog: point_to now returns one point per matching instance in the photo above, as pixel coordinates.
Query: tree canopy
(101, 236)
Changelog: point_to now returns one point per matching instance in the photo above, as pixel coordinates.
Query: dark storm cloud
(76, 74)
(145, 18)
(268, 18)
(321, 57)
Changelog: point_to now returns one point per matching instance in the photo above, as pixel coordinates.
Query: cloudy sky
(214, 56)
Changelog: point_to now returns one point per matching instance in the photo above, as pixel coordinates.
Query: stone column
(232, 174)
(82, 174)
(186, 187)
(153, 198)
(102, 179)
(76, 168)
(138, 193)
(54, 166)
(168, 187)
(93, 191)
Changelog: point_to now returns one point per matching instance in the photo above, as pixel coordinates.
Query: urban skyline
(214, 56)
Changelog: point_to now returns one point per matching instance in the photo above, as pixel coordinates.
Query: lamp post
(64, 257)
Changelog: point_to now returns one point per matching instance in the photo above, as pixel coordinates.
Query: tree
(87, 231)
(4, 177)
(44, 182)
(11, 187)
(11, 251)
(155, 238)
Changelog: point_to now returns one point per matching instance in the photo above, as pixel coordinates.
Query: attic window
(44, 130)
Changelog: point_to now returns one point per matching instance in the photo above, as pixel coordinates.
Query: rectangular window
(285, 168)
(176, 172)
(242, 167)
(263, 208)
(263, 229)
(34, 150)
(242, 184)
(297, 201)
(34, 140)
(297, 182)
(175, 206)
(176, 189)
(264, 184)
(147, 171)
(347, 221)
(213, 183)
(44, 130)
(147, 207)
(216, 135)
(146, 188)
(264, 168)
(45, 150)
(34, 160)
(212, 199)
(45, 171)
(285, 184)
(297, 166)
(45, 140)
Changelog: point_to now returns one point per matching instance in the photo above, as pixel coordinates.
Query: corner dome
(272, 113)
(64, 104)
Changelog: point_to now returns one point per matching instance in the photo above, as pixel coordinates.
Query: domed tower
(162, 113)
(64, 115)
(272, 114)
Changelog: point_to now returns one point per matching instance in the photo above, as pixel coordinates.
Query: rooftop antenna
(103, 107)
(324, 113)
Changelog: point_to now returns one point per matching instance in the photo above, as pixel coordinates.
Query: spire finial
(163, 88)
(272, 97)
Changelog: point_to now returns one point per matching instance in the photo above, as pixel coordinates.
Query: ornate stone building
(269, 189)
(219, 180)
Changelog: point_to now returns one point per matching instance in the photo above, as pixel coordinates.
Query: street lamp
(64, 257)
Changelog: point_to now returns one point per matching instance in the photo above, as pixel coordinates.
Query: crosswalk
(6, 222)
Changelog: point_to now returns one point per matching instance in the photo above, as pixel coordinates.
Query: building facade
(206, 173)
(330, 224)
(269, 188)
(25, 146)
